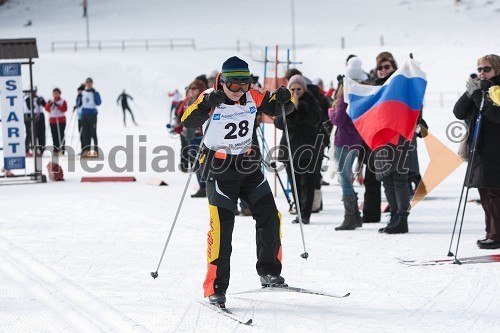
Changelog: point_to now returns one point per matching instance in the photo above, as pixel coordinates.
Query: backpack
(55, 171)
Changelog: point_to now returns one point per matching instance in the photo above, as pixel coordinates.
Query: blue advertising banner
(11, 108)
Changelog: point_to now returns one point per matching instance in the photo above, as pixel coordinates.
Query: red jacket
(56, 107)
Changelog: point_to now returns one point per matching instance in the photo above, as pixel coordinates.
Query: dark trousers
(223, 191)
(57, 131)
(306, 177)
(89, 131)
(124, 109)
(27, 124)
(373, 195)
(397, 191)
(40, 130)
(490, 200)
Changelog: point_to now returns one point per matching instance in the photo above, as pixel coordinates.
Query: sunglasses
(235, 87)
(485, 69)
(296, 89)
(386, 67)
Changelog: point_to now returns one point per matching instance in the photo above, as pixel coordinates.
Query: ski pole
(297, 203)
(197, 158)
(73, 131)
(59, 135)
(485, 85)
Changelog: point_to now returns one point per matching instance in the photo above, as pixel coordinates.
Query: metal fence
(126, 44)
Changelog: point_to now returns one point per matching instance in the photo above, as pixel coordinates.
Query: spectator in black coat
(303, 126)
(485, 175)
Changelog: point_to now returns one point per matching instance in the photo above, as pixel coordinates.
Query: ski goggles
(237, 86)
(485, 69)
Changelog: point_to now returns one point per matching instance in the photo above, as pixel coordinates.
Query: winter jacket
(486, 163)
(346, 134)
(56, 108)
(303, 128)
(90, 100)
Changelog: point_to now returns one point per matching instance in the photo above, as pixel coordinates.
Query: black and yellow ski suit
(231, 166)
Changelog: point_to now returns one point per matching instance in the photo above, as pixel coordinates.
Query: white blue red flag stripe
(382, 114)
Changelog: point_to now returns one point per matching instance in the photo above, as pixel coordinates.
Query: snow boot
(392, 221)
(352, 217)
(269, 280)
(201, 193)
(400, 226)
(219, 298)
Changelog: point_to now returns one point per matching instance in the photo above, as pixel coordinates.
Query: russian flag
(382, 113)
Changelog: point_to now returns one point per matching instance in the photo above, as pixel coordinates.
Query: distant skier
(124, 99)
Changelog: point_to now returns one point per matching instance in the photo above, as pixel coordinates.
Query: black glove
(340, 78)
(215, 98)
(283, 95)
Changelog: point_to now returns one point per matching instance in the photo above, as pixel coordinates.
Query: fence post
(52, 47)
(123, 45)
(342, 42)
(76, 46)
(99, 46)
(147, 45)
(381, 40)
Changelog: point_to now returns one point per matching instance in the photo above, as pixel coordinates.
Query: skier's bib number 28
(236, 131)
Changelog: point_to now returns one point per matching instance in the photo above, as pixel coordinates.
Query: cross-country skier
(230, 159)
(124, 97)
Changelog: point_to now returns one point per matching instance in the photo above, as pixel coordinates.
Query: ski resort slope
(77, 257)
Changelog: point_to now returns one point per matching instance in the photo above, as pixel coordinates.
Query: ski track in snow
(71, 307)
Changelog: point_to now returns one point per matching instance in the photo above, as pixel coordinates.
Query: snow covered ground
(77, 256)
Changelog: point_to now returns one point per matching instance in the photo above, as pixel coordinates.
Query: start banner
(11, 107)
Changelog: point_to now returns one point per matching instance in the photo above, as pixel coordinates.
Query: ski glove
(215, 98)
(471, 86)
(283, 95)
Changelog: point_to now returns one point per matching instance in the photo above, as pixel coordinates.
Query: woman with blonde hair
(484, 173)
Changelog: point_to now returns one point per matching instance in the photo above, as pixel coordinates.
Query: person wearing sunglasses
(485, 174)
(303, 128)
(394, 179)
(385, 66)
(231, 161)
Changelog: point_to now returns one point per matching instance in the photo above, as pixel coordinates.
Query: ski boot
(219, 298)
(269, 280)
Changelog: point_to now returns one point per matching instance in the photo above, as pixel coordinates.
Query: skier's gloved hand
(471, 85)
(215, 98)
(283, 95)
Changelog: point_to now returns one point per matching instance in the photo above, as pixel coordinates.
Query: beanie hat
(297, 79)
(349, 57)
(354, 70)
(235, 69)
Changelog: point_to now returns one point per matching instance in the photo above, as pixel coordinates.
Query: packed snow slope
(76, 257)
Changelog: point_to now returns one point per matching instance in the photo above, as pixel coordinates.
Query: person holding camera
(484, 173)
(57, 106)
(230, 161)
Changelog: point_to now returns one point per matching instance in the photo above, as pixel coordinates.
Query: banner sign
(11, 107)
